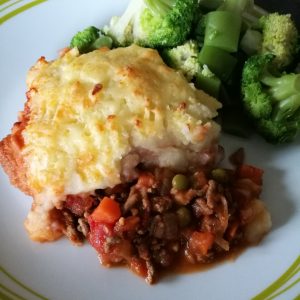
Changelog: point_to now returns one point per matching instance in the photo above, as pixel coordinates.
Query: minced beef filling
(198, 217)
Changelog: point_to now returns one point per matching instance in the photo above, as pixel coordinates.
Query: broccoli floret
(84, 39)
(280, 37)
(183, 58)
(153, 23)
(276, 34)
(90, 39)
(257, 102)
(278, 132)
(272, 100)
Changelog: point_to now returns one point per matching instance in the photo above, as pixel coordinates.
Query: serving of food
(119, 144)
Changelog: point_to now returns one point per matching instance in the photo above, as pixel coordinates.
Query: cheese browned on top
(87, 113)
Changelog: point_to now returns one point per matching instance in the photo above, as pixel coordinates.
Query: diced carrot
(201, 242)
(251, 172)
(108, 211)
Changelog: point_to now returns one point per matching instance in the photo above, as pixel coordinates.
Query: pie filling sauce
(163, 217)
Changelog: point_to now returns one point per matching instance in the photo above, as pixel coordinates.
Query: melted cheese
(89, 111)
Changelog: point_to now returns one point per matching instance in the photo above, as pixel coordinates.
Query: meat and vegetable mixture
(162, 216)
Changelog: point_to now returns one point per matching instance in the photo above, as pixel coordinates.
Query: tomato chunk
(99, 233)
(79, 204)
(108, 211)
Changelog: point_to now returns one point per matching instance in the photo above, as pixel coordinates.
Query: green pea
(220, 175)
(184, 216)
(180, 182)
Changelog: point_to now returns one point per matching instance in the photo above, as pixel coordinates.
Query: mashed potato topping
(89, 112)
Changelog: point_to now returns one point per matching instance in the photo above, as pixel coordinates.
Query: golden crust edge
(39, 223)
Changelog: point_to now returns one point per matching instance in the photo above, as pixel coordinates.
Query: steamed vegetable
(276, 34)
(108, 211)
(251, 42)
(207, 81)
(280, 37)
(180, 182)
(90, 39)
(209, 41)
(185, 58)
(218, 61)
(223, 30)
(153, 23)
(220, 31)
(272, 100)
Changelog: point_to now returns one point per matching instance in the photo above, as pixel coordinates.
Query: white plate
(59, 271)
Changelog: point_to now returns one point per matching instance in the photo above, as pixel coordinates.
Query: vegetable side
(231, 49)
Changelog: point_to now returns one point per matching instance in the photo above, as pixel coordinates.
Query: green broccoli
(153, 23)
(183, 58)
(276, 34)
(272, 100)
(277, 132)
(90, 39)
(280, 37)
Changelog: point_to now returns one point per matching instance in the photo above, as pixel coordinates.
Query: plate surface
(59, 271)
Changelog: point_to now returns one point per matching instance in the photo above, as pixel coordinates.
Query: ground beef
(70, 228)
(160, 224)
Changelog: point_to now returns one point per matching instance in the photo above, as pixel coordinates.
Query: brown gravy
(184, 267)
